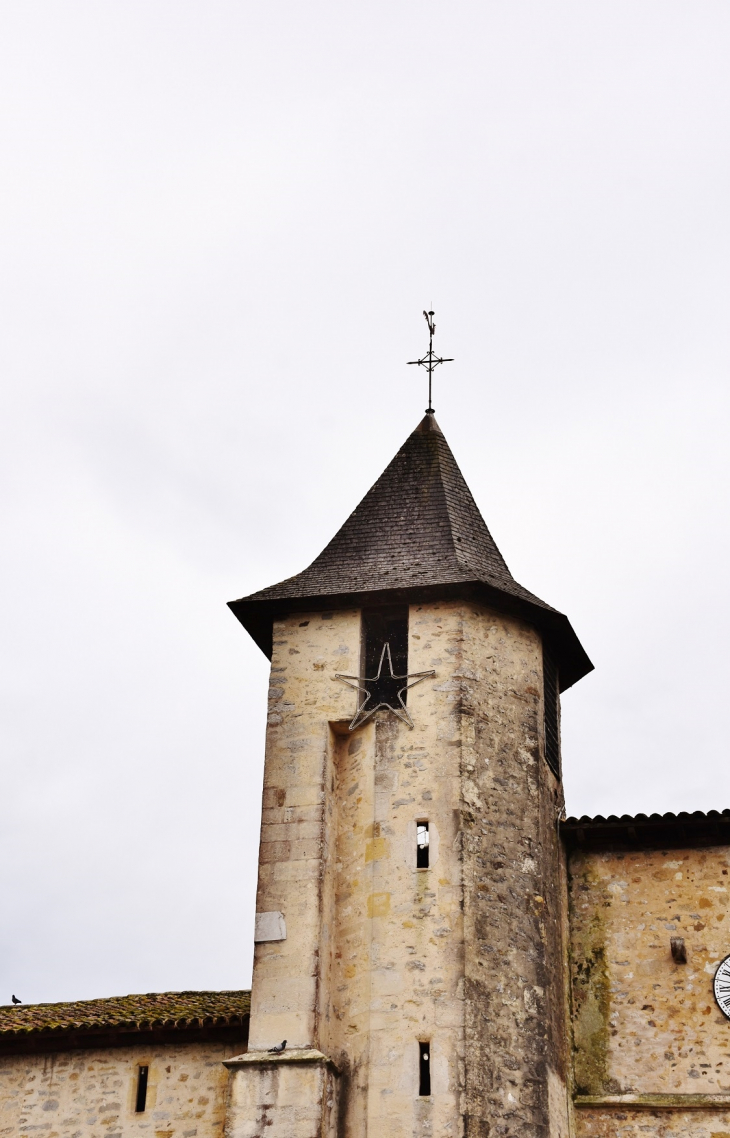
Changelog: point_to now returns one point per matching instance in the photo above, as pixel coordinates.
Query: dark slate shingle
(417, 528)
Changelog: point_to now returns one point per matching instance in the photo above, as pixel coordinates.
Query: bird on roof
(16, 1000)
(278, 1049)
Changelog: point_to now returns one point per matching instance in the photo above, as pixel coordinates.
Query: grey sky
(220, 223)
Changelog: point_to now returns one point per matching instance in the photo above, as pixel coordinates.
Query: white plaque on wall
(269, 926)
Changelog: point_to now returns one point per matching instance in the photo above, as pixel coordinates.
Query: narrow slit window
(142, 1073)
(381, 627)
(421, 845)
(551, 693)
(424, 1069)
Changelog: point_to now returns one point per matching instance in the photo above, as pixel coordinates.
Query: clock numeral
(721, 986)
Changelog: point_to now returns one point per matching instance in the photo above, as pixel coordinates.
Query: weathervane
(430, 361)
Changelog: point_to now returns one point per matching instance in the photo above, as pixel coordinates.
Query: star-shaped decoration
(383, 690)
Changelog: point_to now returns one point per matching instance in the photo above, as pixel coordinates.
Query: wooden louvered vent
(552, 713)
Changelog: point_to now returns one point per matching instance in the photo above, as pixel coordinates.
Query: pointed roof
(416, 535)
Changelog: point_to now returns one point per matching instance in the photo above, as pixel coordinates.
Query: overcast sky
(220, 225)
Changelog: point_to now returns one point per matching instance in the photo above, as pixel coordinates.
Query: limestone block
(280, 1009)
(292, 1095)
(641, 1122)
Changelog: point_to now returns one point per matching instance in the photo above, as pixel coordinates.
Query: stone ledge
(292, 1055)
(655, 1102)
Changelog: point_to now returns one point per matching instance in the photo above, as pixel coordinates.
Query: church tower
(411, 913)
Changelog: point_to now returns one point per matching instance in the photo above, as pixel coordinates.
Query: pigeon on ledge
(16, 1000)
(278, 1049)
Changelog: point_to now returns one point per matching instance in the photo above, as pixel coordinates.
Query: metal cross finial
(430, 361)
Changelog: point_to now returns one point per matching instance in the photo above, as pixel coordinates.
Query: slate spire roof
(417, 534)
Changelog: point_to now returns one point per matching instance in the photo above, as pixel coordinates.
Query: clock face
(722, 986)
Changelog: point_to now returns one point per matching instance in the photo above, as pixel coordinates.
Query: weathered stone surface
(92, 1093)
(467, 954)
(643, 1024)
(625, 1122)
(515, 994)
(308, 650)
(282, 1096)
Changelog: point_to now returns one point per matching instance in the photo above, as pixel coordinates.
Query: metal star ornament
(380, 682)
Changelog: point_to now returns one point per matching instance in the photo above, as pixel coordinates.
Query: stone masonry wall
(379, 955)
(514, 903)
(92, 1094)
(308, 649)
(397, 931)
(644, 1025)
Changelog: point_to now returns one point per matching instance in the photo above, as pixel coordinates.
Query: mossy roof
(169, 1010)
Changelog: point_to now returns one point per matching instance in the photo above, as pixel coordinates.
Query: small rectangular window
(142, 1073)
(424, 1068)
(551, 694)
(421, 845)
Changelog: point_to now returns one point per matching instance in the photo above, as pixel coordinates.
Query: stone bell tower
(410, 934)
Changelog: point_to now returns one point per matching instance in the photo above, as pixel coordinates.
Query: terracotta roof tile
(171, 1010)
(648, 831)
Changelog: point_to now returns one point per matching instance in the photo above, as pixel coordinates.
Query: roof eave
(257, 616)
(654, 831)
(45, 1041)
